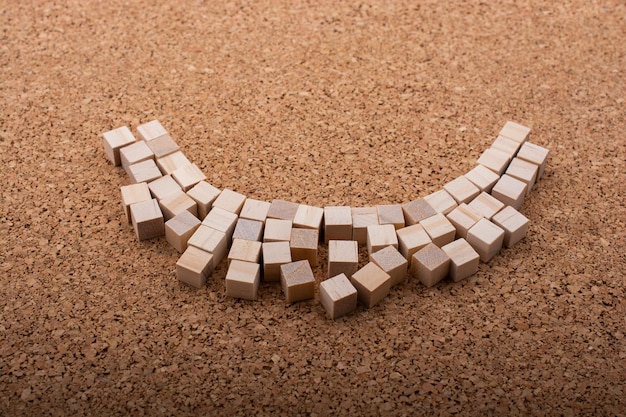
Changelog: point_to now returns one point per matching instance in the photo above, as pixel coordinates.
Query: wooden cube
(380, 236)
(163, 146)
(463, 259)
(495, 160)
(134, 153)
(180, 228)
(372, 284)
(243, 279)
(151, 130)
(430, 265)
(308, 217)
(506, 145)
(245, 250)
(204, 194)
(145, 171)
(510, 191)
(284, 210)
(297, 281)
(417, 210)
(483, 178)
(163, 187)
(439, 228)
(486, 205)
(132, 194)
(337, 223)
(275, 254)
(391, 214)
(188, 176)
(222, 220)
(277, 230)
(362, 217)
(194, 267)
(177, 202)
(515, 131)
(441, 201)
(392, 262)
(514, 224)
(114, 140)
(343, 257)
(338, 296)
(461, 189)
(535, 154)
(230, 200)
(210, 240)
(524, 171)
(172, 162)
(303, 245)
(147, 219)
(411, 239)
(255, 210)
(463, 218)
(486, 238)
(248, 230)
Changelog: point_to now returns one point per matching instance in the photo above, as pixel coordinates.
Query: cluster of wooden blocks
(444, 234)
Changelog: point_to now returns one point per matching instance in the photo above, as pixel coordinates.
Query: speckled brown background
(319, 103)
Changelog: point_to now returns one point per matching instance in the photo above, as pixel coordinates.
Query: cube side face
(147, 219)
(380, 236)
(114, 140)
(194, 266)
(417, 210)
(392, 262)
(463, 218)
(242, 280)
(430, 265)
(524, 171)
(440, 230)
(483, 178)
(391, 214)
(338, 296)
(134, 193)
(372, 284)
(514, 224)
(536, 154)
(510, 191)
(308, 217)
(204, 194)
(486, 238)
(277, 230)
(275, 254)
(303, 245)
(464, 259)
(135, 153)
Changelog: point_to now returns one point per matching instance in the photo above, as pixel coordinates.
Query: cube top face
(515, 131)
(431, 256)
(163, 186)
(151, 130)
(242, 271)
(145, 211)
(506, 145)
(276, 252)
(188, 176)
(203, 192)
(412, 237)
(391, 214)
(462, 190)
(220, 219)
(304, 238)
(495, 160)
(482, 177)
(163, 146)
(277, 230)
(177, 202)
(441, 201)
(343, 251)
(417, 210)
(533, 153)
(523, 170)
(134, 193)
(486, 205)
(248, 229)
(308, 217)
(245, 250)
(207, 239)
(144, 171)
(510, 191)
(338, 287)
(296, 273)
(135, 152)
(486, 232)
(371, 277)
(364, 216)
(381, 235)
(460, 251)
(230, 200)
(437, 225)
(510, 219)
(281, 209)
(388, 258)
(193, 266)
(115, 139)
(255, 210)
(183, 222)
(338, 215)
(172, 162)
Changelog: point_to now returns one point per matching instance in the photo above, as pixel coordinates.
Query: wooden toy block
(114, 140)
(463, 218)
(243, 279)
(308, 217)
(248, 229)
(297, 281)
(510, 191)
(361, 218)
(147, 219)
(176, 203)
(275, 254)
(430, 265)
(188, 176)
(524, 171)
(417, 210)
(194, 267)
(495, 160)
(338, 296)
(515, 131)
(483, 178)
(180, 228)
(163, 146)
(536, 154)
(132, 194)
(134, 153)
(391, 214)
(486, 205)
(255, 210)
(514, 224)
(463, 259)
(462, 189)
(506, 145)
(163, 187)
(411, 239)
(204, 194)
(230, 200)
(439, 228)
(343, 257)
(222, 220)
(245, 250)
(284, 210)
(151, 130)
(303, 245)
(337, 223)
(372, 284)
(486, 238)
(277, 230)
(172, 162)
(145, 171)
(210, 240)
(380, 236)
(392, 262)
(441, 201)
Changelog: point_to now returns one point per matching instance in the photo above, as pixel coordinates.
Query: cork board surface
(356, 103)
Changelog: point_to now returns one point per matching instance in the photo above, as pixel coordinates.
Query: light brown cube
(134, 153)
(441, 201)
(495, 160)
(255, 210)
(114, 140)
(483, 178)
(245, 250)
(230, 200)
(391, 214)
(439, 228)
(147, 219)
(461, 189)
(163, 187)
(163, 146)
(514, 224)
(188, 176)
(510, 191)
(277, 230)
(284, 210)
(463, 218)
(430, 265)
(243, 279)
(486, 205)
(524, 171)
(210, 240)
(303, 245)
(372, 284)
(151, 130)
(506, 145)
(535, 154)
(417, 210)
(338, 296)
(177, 202)
(194, 267)
(392, 262)
(308, 217)
(380, 236)
(343, 257)
(486, 238)
(337, 223)
(515, 131)
(132, 194)
(297, 281)
(463, 259)
(180, 228)
(204, 194)
(248, 230)
(411, 239)
(172, 162)
(222, 220)
(145, 171)
(362, 217)
(275, 254)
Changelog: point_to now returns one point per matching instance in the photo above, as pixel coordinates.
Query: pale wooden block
(417, 210)
(411, 239)
(210, 240)
(462, 189)
(506, 145)
(343, 257)
(391, 214)
(297, 281)
(172, 162)
(222, 220)
(243, 279)
(284, 210)
(483, 178)
(308, 217)
(163, 146)
(114, 140)
(372, 284)
(255, 210)
(245, 250)
(486, 238)
(380, 236)
(486, 205)
(145, 171)
(495, 160)
(303, 245)
(180, 228)
(439, 228)
(392, 262)
(515, 131)
(177, 202)
(463, 218)
(463, 259)
(361, 218)
(188, 176)
(134, 193)
(277, 230)
(147, 219)
(163, 187)
(536, 154)
(510, 191)
(230, 200)
(430, 265)
(151, 130)
(337, 223)
(514, 224)
(338, 296)
(194, 267)
(524, 171)
(204, 194)
(134, 153)
(248, 229)
(441, 201)
(275, 254)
